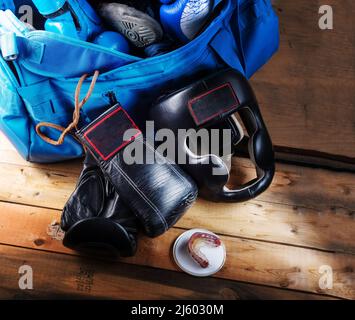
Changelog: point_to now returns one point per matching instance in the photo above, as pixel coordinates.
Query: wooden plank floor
(307, 89)
(275, 243)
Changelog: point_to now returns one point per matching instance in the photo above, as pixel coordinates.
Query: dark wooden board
(61, 276)
(304, 206)
(307, 91)
(258, 262)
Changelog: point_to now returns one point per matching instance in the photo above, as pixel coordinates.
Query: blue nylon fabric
(244, 36)
(7, 4)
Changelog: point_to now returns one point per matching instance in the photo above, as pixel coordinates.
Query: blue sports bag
(39, 85)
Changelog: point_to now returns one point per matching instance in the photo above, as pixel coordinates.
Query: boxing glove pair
(156, 192)
(209, 104)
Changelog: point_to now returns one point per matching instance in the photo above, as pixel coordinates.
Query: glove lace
(76, 114)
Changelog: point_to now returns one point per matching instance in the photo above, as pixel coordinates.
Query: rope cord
(76, 114)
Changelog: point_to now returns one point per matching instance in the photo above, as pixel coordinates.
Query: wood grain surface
(305, 207)
(307, 91)
(259, 262)
(58, 276)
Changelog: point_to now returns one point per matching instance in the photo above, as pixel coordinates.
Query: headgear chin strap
(210, 103)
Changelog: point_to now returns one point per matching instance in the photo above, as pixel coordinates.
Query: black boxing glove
(158, 193)
(211, 103)
(94, 215)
